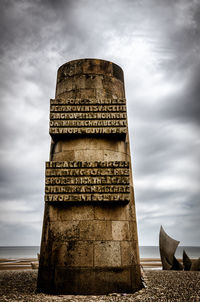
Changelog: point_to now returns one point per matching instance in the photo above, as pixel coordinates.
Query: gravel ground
(162, 286)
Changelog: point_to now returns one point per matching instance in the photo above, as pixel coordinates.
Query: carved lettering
(86, 197)
(87, 189)
(88, 130)
(97, 108)
(108, 180)
(88, 101)
(88, 123)
(83, 180)
(87, 164)
(88, 116)
(87, 172)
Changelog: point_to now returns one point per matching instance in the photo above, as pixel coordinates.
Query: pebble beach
(162, 286)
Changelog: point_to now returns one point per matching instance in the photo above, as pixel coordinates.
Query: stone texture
(61, 156)
(106, 212)
(109, 155)
(89, 155)
(79, 254)
(53, 213)
(62, 231)
(95, 230)
(120, 230)
(128, 253)
(76, 212)
(89, 240)
(107, 254)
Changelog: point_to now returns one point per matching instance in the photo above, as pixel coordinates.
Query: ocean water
(12, 252)
(153, 251)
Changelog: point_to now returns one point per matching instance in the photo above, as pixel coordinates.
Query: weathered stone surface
(95, 230)
(76, 212)
(106, 212)
(92, 143)
(120, 230)
(128, 253)
(89, 240)
(52, 213)
(107, 254)
(61, 231)
(79, 254)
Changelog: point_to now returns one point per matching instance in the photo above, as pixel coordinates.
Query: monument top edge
(91, 66)
(94, 60)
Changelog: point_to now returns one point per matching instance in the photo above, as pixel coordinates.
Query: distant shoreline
(31, 263)
(25, 257)
(17, 263)
(11, 252)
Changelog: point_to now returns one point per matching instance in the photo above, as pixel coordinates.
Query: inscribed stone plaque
(77, 181)
(88, 116)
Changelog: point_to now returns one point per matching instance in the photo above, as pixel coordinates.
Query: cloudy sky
(156, 42)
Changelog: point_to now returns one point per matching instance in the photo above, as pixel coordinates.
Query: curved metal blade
(186, 261)
(168, 247)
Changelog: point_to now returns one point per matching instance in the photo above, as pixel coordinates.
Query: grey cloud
(38, 36)
(19, 234)
(185, 106)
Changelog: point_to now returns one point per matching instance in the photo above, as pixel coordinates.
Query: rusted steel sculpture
(168, 248)
(190, 264)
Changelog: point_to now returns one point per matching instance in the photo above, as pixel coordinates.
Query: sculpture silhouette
(190, 264)
(187, 263)
(168, 248)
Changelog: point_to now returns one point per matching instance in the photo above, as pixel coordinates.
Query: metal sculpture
(190, 264)
(168, 248)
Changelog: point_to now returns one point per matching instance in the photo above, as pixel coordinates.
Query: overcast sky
(157, 43)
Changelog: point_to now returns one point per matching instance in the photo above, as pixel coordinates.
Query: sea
(153, 251)
(13, 252)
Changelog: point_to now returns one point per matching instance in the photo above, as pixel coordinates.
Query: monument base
(89, 281)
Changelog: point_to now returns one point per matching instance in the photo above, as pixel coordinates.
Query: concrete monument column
(89, 240)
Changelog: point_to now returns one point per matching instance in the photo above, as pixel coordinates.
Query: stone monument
(89, 240)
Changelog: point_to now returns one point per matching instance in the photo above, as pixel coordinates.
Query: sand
(18, 263)
(28, 263)
(162, 286)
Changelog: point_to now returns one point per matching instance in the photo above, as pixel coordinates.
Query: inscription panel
(88, 116)
(77, 181)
